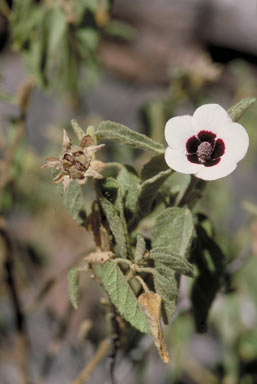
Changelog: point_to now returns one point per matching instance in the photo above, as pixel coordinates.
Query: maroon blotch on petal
(210, 163)
(206, 136)
(192, 144)
(219, 149)
(193, 158)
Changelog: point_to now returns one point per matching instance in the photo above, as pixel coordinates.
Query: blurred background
(136, 62)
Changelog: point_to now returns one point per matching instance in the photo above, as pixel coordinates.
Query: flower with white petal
(208, 144)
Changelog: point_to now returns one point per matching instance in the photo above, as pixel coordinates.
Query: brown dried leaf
(151, 304)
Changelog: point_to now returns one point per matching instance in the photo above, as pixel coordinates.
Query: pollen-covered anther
(204, 151)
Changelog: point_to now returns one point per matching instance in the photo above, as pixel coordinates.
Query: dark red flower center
(205, 148)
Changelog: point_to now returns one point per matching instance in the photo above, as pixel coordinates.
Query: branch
(91, 365)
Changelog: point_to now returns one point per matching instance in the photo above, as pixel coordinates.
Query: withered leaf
(151, 304)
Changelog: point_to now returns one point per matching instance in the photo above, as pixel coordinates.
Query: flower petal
(179, 162)
(236, 140)
(222, 169)
(209, 117)
(177, 131)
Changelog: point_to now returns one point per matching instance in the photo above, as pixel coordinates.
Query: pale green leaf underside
(119, 133)
(238, 110)
(121, 294)
(73, 281)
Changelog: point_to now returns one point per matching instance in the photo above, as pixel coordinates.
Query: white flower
(208, 144)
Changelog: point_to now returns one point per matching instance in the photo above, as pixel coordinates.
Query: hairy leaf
(111, 202)
(175, 262)
(174, 229)
(109, 130)
(176, 186)
(238, 110)
(121, 295)
(173, 232)
(73, 281)
(140, 248)
(210, 262)
(166, 285)
(153, 167)
(129, 188)
(149, 190)
(73, 201)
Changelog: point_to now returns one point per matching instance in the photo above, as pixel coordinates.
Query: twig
(115, 337)
(57, 340)
(91, 365)
(20, 319)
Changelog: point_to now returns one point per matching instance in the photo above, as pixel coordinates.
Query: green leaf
(110, 199)
(73, 281)
(238, 110)
(176, 186)
(109, 130)
(149, 190)
(121, 295)
(77, 129)
(153, 167)
(210, 262)
(140, 248)
(165, 283)
(128, 181)
(172, 232)
(175, 262)
(174, 229)
(58, 27)
(88, 40)
(73, 201)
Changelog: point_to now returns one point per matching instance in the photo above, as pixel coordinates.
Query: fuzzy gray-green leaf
(174, 229)
(165, 283)
(153, 167)
(237, 111)
(140, 248)
(121, 295)
(73, 201)
(110, 199)
(119, 133)
(149, 190)
(128, 181)
(73, 281)
(175, 262)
